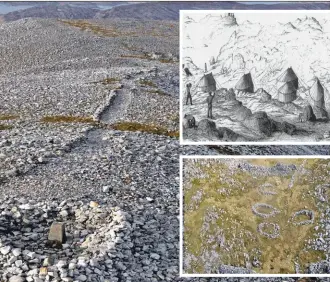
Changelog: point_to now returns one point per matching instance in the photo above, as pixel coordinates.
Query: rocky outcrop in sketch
(260, 122)
(308, 114)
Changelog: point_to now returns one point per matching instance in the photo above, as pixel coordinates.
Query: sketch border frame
(231, 143)
(182, 157)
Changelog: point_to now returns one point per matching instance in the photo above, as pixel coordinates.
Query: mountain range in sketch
(270, 81)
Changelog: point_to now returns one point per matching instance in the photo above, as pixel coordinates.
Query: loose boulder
(189, 121)
(308, 114)
(260, 122)
(16, 278)
(284, 126)
(320, 113)
(230, 95)
(227, 134)
(288, 128)
(56, 235)
(242, 112)
(208, 128)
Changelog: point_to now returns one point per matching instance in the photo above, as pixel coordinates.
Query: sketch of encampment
(255, 77)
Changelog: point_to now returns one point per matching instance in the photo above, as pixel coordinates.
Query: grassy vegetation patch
(145, 57)
(97, 29)
(146, 82)
(230, 196)
(5, 127)
(113, 31)
(67, 119)
(8, 117)
(108, 81)
(134, 126)
(167, 61)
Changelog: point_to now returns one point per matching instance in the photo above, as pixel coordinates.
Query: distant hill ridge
(148, 11)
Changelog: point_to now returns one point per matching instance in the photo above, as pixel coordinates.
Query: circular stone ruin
(256, 207)
(265, 189)
(308, 213)
(271, 235)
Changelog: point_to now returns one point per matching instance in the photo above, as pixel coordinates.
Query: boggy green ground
(230, 195)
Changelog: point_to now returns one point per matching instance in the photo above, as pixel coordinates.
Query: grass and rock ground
(220, 226)
(56, 159)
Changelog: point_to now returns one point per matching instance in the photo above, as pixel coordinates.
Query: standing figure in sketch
(209, 101)
(188, 91)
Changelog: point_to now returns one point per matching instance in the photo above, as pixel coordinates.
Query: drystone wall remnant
(300, 170)
(265, 189)
(257, 206)
(308, 213)
(274, 226)
(105, 105)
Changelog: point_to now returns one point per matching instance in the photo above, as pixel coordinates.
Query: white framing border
(182, 141)
(181, 215)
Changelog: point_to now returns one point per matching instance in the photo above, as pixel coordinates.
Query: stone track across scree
(118, 108)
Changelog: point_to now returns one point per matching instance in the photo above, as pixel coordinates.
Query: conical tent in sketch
(317, 94)
(208, 83)
(289, 76)
(245, 83)
(287, 92)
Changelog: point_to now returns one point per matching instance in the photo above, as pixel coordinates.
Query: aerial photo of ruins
(255, 77)
(256, 216)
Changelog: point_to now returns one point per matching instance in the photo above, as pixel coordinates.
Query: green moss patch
(8, 117)
(146, 82)
(67, 119)
(134, 126)
(108, 81)
(97, 29)
(5, 127)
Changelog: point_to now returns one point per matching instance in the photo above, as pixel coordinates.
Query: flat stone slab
(57, 233)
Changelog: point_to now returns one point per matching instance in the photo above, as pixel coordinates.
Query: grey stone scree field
(87, 114)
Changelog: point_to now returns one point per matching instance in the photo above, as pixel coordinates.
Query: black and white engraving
(267, 73)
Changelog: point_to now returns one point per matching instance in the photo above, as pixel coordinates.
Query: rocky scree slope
(55, 69)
